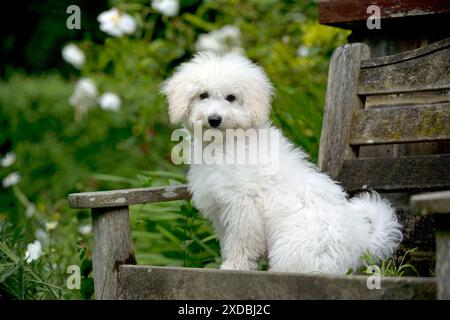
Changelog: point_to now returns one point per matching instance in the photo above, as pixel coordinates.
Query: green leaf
(198, 22)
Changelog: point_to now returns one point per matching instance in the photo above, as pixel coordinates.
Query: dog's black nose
(215, 120)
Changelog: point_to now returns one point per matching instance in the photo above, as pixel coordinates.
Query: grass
(391, 267)
(19, 279)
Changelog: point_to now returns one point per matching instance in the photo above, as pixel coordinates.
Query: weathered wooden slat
(443, 262)
(112, 247)
(407, 99)
(398, 125)
(409, 173)
(103, 199)
(340, 102)
(144, 283)
(431, 203)
(407, 55)
(337, 12)
(421, 73)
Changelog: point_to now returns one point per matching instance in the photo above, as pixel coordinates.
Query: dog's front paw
(233, 265)
(230, 265)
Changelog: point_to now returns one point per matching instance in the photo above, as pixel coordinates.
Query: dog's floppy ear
(177, 91)
(258, 96)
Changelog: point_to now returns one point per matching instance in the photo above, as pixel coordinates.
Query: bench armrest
(126, 197)
(431, 203)
(112, 245)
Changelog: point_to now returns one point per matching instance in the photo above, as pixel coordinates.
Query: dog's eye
(230, 98)
(204, 95)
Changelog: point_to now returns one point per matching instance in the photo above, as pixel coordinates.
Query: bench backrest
(376, 107)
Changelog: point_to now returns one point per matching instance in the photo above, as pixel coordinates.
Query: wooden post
(438, 204)
(112, 248)
(443, 262)
(340, 103)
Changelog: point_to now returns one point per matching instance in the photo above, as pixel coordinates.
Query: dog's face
(223, 92)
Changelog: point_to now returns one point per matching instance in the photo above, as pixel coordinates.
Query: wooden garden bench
(398, 99)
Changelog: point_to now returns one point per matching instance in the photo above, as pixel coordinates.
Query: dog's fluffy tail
(383, 231)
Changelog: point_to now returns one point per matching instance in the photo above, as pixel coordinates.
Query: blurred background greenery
(60, 135)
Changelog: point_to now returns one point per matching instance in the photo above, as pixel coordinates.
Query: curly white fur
(299, 218)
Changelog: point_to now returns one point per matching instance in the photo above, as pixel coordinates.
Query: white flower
(116, 23)
(51, 225)
(231, 32)
(85, 229)
(84, 94)
(299, 17)
(11, 179)
(168, 8)
(29, 212)
(302, 51)
(73, 55)
(110, 101)
(227, 39)
(34, 251)
(208, 42)
(8, 160)
(42, 236)
(285, 39)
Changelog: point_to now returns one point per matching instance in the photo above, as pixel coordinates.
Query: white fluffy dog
(298, 218)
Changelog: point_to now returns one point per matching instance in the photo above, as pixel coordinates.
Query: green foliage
(34, 46)
(87, 282)
(60, 152)
(22, 280)
(391, 267)
(173, 234)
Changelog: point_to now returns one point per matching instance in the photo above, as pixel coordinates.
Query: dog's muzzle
(214, 120)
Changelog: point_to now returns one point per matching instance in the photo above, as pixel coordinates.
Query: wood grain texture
(421, 98)
(408, 173)
(114, 198)
(443, 263)
(418, 231)
(438, 204)
(400, 124)
(112, 248)
(408, 72)
(431, 203)
(340, 102)
(145, 283)
(394, 41)
(336, 12)
(407, 55)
